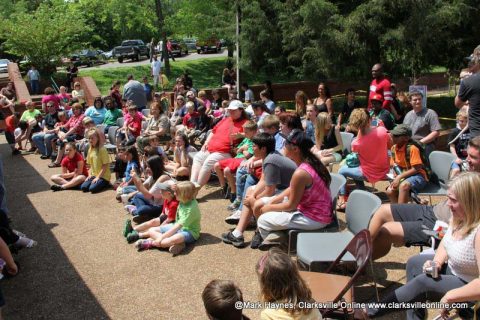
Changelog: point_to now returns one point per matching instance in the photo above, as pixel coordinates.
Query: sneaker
(256, 240)
(176, 249)
(56, 187)
(132, 237)
(54, 165)
(229, 238)
(124, 198)
(44, 157)
(130, 208)
(274, 239)
(32, 149)
(127, 227)
(143, 244)
(16, 152)
(234, 206)
(233, 197)
(234, 217)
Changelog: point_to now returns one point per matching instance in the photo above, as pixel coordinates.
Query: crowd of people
(272, 167)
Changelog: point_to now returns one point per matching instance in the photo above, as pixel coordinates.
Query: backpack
(432, 177)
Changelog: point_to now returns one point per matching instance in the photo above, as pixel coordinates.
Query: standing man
(470, 91)
(151, 48)
(423, 122)
(133, 90)
(156, 70)
(382, 86)
(34, 78)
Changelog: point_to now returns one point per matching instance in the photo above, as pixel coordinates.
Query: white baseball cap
(235, 105)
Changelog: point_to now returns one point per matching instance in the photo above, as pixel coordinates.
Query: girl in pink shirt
(371, 146)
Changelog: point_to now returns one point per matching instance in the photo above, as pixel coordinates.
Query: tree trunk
(161, 30)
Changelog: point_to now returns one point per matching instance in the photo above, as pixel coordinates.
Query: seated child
(133, 163)
(280, 282)
(412, 175)
(190, 119)
(99, 162)
(127, 135)
(458, 145)
(11, 123)
(186, 228)
(227, 168)
(168, 215)
(219, 298)
(179, 168)
(202, 126)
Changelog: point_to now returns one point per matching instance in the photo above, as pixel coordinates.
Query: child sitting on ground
(227, 168)
(458, 142)
(11, 123)
(409, 168)
(186, 228)
(280, 282)
(169, 213)
(220, 298)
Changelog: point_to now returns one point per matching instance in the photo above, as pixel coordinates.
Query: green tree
(44, 36)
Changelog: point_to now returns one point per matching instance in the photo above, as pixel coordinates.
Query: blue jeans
(417, 182)
(247, 182)
(88, 185)
(128, 189)
(35, 86)
(353, 173)
(187, 236)
(145, 206)
(43, 141)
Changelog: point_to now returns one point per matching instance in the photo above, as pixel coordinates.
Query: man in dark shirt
(470, 91)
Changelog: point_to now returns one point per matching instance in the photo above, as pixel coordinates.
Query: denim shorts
(186, 235)
(417, 182)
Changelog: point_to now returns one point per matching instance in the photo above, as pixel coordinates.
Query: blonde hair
(190, 105)
(92, 132)
(461, 114)
(87, 120)
(359, 119)
(185, 191)
(202, 93)
(250, 125)
(280, 281)
(320, 123)
(465, 187)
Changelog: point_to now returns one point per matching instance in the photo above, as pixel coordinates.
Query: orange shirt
(401, 161)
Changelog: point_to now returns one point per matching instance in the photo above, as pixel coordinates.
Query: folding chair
(347, 138)
(333, 289)
(146, 112)
(440, 163)
(120, 122)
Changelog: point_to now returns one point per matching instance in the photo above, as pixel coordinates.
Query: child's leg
(147, 225)
(392, 194)
(78, 180)
(170, 241)
(404, 192)
(230, 176)
(219, 172)
(57, 179)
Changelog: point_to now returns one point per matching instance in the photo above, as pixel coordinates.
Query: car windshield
(129, 43)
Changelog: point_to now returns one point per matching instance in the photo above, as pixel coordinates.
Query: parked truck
(131, 49)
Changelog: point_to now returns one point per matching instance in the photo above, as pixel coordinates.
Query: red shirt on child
(170, 208)
(71, 164)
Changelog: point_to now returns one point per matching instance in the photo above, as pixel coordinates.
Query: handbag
(352, 160)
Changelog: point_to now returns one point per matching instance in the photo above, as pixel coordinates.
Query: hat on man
(377, 97)
(190, 94)
(235, 105)
(165, 186)
(299, 138)
(401, 130)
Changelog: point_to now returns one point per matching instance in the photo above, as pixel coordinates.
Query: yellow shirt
(96, 158)
(282, 314)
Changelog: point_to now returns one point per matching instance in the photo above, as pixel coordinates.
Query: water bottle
(397, 169)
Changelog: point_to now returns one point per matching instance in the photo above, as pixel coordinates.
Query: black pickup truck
(131, 49)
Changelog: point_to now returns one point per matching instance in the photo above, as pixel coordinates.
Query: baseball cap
(401, 130)
(377, 97)
(235, 105)
(166, 186)
(299, 138)
(190, 94)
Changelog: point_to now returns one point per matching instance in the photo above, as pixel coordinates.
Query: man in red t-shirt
(382, 86)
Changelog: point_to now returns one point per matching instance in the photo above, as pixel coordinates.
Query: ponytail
(317, 165)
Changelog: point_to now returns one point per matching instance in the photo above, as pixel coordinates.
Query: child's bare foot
(176, 249)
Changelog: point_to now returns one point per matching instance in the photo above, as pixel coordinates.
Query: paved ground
(193, 55)
(84, 269)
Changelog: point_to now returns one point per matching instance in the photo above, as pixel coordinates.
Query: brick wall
(89, 88)
(21, 88)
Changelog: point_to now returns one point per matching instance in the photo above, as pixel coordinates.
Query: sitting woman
(43, 140)
(112, 114)
(71, 131)
(78, 93)
(74, 170)
(50, 96)
(328, 141)
(219, 144)
(371, 153)
(308, 204)
(97, 111)
(30, 117)
(179, 168)
(158, 125)
(309, 122)
(99, 162)
(452, 274)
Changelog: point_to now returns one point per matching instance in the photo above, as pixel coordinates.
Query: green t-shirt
(247, 142)
(29, 115)
(111, 117)
(96, 158)
(188, 215)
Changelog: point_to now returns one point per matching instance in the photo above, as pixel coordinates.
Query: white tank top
(461, 255)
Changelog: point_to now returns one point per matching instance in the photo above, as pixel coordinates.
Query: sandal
(54, 165)
(341, 206)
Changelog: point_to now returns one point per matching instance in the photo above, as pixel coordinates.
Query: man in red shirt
(382, 86)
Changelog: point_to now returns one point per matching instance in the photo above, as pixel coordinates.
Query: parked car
(108, 54)
(88, 57)
(4, 65)
(208, 45)
(179, 48)
(191, 43)
(131, 49)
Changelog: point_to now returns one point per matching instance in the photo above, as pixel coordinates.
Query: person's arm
(470, 291)
(79, 170)
(101, 173)
(170, 232)
(5, 254)
(65, 174)
(184, 160)
(459, 103)
(139, 185)
(300, 180)
(430, 137)
(205, 145)
(329, 105)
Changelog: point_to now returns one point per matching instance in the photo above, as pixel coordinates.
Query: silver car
(4, 65)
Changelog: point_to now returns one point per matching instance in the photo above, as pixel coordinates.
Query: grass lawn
(206, 73)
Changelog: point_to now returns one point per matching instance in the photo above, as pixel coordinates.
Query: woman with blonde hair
(328, 141)
(99, 162)
(369, 160)
(452, 274)
(280, 282)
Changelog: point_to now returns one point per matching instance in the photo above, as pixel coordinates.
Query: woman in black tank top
(328, 141)
(323, 103)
